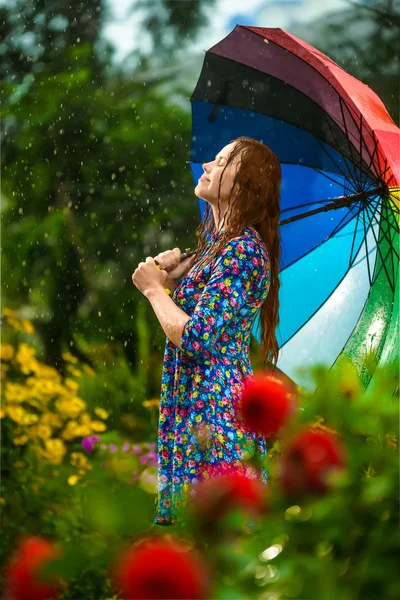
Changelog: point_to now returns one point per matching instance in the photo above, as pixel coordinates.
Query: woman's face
(207, 186)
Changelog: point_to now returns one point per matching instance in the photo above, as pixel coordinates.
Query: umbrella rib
(366, 246)
(391, 246)
(373, 154)
(303, 205)
(338, 226)
(380, 177)
(386, 220)
(327, 176)
(380, 253)
(338, 202)
(347, 137)
(386, 170)
(354, 239)
(330, 157)
(395, 229)
(352, 177)
(363, 182)
(357, 127)
(391, 249)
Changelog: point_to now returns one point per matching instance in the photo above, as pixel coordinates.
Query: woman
(208, 321)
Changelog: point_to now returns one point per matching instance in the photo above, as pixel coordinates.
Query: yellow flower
(27, 326)
(69, 357)
(79, 460)
(46, 387)
(29, 366)
(198, 418)
(154, 403)
(15, 392)
(54, 451)
(8, 312)
(25, 352)
(73, 371)
(50, 418)
(32, 432)
(86, 418)
(2, 413)
(15, 324)
(43, 431)
(98, 426)
(6, 351)
(89, 370)
(47, 372)
(20, 440)
(20, 416)
(70, 407)
(70, 430)
(83, 430)
(73, 479)
(71, 384)
(103, 414)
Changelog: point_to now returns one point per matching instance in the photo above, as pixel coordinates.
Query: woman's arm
(171, 317)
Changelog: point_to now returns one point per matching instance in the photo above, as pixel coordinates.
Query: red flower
(307, 460)
(214, 497)
(22, 577)
(159, 569)
(266, 402)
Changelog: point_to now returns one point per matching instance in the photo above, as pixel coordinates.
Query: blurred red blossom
(307, 459)
(214, 497)
(158, 568)
(22, 579)
(266, 402)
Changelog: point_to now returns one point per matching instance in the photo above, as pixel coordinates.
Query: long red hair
(257, 204)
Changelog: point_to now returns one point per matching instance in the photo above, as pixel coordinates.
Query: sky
(121, 30)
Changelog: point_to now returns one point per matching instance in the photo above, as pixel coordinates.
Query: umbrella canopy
(339, 151)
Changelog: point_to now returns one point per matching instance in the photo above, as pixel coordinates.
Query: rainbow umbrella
(339, 151)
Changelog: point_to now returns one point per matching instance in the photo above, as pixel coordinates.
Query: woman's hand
(170, 260)
(148, 276)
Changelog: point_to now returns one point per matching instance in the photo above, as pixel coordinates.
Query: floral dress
(200, 432)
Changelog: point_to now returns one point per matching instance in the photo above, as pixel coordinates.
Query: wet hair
(256, 203)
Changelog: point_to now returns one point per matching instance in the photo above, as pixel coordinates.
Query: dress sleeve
(238, 272)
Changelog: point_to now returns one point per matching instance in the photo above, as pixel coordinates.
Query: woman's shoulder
(247, 245)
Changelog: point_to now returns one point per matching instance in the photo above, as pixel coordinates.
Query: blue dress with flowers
(200, 431)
